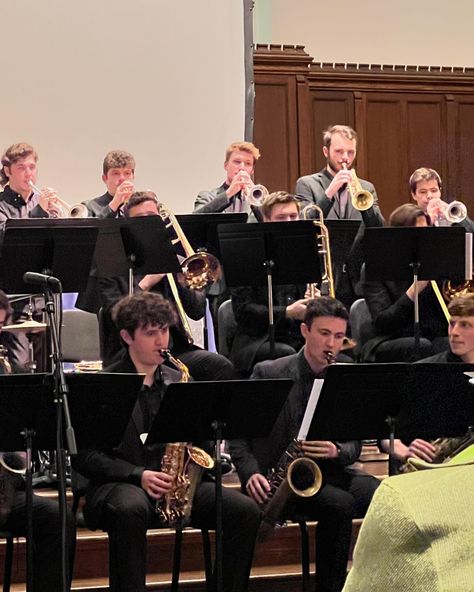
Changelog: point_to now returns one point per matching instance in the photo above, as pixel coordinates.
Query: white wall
(163, 80)
(420, 32)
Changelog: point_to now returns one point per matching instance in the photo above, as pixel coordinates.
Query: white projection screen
(163, 80)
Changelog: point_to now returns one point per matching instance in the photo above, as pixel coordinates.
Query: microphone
(31, 277)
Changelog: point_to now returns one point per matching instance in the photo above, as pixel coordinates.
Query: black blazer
(125, 463)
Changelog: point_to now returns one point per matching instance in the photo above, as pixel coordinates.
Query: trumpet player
(331, 189)
(233, 194)
(125, 483)
(17, 175)
(118, 173)
(426, 189)
(47, 573)
(345, 493)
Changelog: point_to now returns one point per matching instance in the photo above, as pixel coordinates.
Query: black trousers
(335, 505)
(46, 539)
(128, 512)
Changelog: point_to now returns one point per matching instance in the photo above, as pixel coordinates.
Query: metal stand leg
(178, 539)
(304, 555)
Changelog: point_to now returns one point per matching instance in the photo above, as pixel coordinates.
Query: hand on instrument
(47, 200)
(242, 181)
(151, 280)
(122, 194)
(422, 449)
(422, 284)
(317, 291)
(156, 483)
(436, 210)
(319, 449)
(340, 179)
(258, 488)
(297, 309)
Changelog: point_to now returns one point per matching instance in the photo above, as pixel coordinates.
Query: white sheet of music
(310, 408)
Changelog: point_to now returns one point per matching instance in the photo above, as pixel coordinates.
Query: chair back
(80, 336)
(360, 320)
(226, 327)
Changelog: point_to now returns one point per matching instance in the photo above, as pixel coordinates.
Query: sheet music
(310, 408)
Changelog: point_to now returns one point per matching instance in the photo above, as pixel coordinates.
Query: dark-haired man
(250, 304)
(46, 525)
(118, 172)
(127, 482)
(346, 492)
(203, 365)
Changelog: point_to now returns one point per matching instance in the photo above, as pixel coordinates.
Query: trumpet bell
(362, 200)
(456, 212)
(79, 211)
(257, 194)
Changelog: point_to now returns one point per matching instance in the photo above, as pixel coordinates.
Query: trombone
(324, 252)
(361, 199)
(64, 210)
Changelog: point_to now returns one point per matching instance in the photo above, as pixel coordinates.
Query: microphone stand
(61, 392)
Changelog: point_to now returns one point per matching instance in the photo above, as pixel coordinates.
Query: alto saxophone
(186, 464)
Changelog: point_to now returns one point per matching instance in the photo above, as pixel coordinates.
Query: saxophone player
(461, 350)
(345, 493)
(126, 483)
(47, 573)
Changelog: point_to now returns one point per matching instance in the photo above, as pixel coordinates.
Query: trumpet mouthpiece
(34, 187)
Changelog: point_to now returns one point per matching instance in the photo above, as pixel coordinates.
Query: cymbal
(29, 326)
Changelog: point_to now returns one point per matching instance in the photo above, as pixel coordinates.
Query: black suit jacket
(260, 454)
(125, 463)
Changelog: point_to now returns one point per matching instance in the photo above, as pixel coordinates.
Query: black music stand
(270, 253)
(413, 253)
(61, 248)
(201, 229)
(215, 411)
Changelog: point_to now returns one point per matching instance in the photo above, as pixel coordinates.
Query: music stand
(413, 253)
(54, 247)
(201, 229)
(215, 411)
(270, 253)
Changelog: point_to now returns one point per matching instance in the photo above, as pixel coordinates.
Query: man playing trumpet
(18, 176)
(233, 194)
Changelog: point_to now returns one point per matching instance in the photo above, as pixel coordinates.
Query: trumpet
(361, 199)
(324, 252)
(256, 194)
(61, 208)
(453, 212)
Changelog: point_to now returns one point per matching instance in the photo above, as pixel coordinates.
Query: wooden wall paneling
(451, 182)
(276, 133)
(464, 153)
(385, 149)
(426, 133)
(305, 128)
(327, 108)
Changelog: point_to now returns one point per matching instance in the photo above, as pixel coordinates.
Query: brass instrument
(293, 474)
(256, 194)
(447, 450)
(186, 464)
(64, 210)
(324, 251)
(199, 269)
(453, 212)
(361, 199)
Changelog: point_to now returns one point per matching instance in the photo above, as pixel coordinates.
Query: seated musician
(47, 573)
(127, 482)
(426, 189)
(203, 365)
(250, 304)
(118, 173)
(391, 305)
(231, 196)
(346, 492)
(461, 350)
